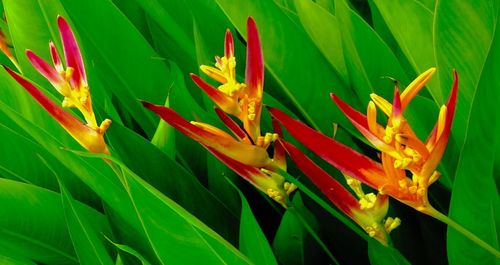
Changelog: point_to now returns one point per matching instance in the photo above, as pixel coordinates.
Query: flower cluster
(246, 150)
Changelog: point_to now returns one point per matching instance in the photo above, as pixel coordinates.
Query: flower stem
(447, 220)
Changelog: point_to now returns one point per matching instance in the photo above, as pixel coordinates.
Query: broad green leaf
(137, 207)
(297, 241)
(171, 179)
(411, 24)
(88, 246)
(10, 259)
(368, 58)
(42, 234)
(16, 164)
(463, 44)
(298, 73)
(475, 198)
(323, 28)
(382, 255)
(189, 234)
(291, 240)
(253, 241)
(131, 251)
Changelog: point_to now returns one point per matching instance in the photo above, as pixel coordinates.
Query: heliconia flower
(368, 211)
(4, 47)
(243, 100)
(71, 82)
(397, 143)
(247, 158)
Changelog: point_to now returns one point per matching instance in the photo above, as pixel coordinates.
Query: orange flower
(401, 149)
(71, 82)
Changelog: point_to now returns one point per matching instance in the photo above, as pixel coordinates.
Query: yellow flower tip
(434, 177)
(391, 224)
(415, 86)
(277, 196)
(214, 73)
(371, 117)
(266, 140)
(382, 104)
(441, 121)
(289, 188)
(367, 201)
(104, 126)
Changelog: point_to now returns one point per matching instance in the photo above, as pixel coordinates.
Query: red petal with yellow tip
(228, 44)
(244, 153)
(72, 53)
(254, 75)
(337, 194)
(44, 68)
(440, 143)
(231, 124)
(340, 156)
(84, 135)
(247, 172)
(359, 121)
(222, 100)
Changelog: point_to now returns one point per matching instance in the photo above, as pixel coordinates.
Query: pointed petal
(45, 69)
(222, 100)
(232, 125)
(414, 87)
(228, 45)
(382, 104)
(56, 59)
(214, 73)
(212, 129)
(85, 136)
(337, 193)
(254, 76)
(442, 140)
(72, 53)
(359, 121)
(254, 79)
(340, 156)
(270, 185)
(279, 156)
(244, 153)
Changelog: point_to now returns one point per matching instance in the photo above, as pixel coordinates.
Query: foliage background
(179, 204)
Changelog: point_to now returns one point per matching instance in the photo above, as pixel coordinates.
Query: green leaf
(10, 259)
(183, 232)
(323, 28)
(171, 179)
(42, 234)
(411, 24)
(475, 199)
(131, 251)
(88, 246)
(368, 58)
(253, 241)
(463, 45)
(382, 255)
(290, 240)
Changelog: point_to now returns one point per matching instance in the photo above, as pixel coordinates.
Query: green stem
(447, 220)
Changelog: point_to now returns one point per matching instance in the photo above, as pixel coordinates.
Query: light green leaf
(475, 198)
